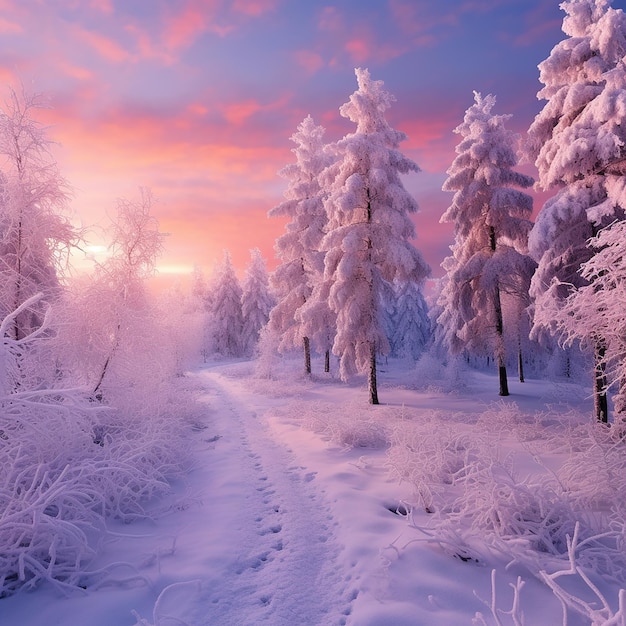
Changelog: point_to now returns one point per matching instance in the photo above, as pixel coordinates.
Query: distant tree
(411, 323)
(368, 229)
(226, 320)
(35, 236)
(577, 142)
(491, 225)
(256, 301)
(298, 248)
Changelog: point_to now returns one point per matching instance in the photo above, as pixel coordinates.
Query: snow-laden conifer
(226, 320)
(298, 248)
(490, 215)
(411, 323)
(369, 228)
(256, 301)
(578, 143)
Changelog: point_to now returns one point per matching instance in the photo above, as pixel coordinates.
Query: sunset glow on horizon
(197, 100)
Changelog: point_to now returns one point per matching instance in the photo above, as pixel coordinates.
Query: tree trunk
(504, 385)
(600, 402)
(307, 355)
(520, 361)
(497, 305)
(372, 383)
(327, 361)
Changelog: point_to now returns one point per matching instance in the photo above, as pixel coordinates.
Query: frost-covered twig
(598, 616)
(515, 613)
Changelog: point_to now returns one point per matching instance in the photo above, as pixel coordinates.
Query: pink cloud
(182, 29)
(75, 71)
(238, 112)
(9, 28)
(359, 50)
(330, 19)
(312, 62)
(196, 108)
(103, 6)
(107, 48)
(254, 8)
(146, 49)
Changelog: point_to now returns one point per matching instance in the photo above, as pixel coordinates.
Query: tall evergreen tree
(225, 316)
(490, 215)
(368, 229)
(256, 301)
(577, 142)
(298, 248)
(411, 323)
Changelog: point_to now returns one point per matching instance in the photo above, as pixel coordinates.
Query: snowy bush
(431, 372)
(68, 462)
(485, 503)
(350, 425)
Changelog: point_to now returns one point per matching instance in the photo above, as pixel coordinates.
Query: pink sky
(197, 99)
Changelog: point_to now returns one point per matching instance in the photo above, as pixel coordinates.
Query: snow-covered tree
(108, 315)
(411, 322)
(35, 236)
(490, 215)
(578, 143)
(256, 301)
(597, 309)
(226, 320)
(369, 229)
(298, 248)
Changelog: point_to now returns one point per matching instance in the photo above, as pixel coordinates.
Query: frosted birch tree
(369, 229)
(35, 234)
(490, 215)
(578, 144)
(108, 318)
(226, 319)
(256, 301)
(298, 248)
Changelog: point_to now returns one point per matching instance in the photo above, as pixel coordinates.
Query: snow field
(305, 505)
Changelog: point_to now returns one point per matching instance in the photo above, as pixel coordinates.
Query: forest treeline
(350, 281)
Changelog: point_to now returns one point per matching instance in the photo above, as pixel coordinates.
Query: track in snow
(281, 565)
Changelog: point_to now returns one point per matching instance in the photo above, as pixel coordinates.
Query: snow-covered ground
(294, 513)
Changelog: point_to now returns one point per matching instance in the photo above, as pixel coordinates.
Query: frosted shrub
(46, 503)
(482, 505)
(431, 373)
(68, 462)
(351, 425)
(431, 455)
(65, 466)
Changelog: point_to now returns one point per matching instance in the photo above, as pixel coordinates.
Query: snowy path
(277, 564)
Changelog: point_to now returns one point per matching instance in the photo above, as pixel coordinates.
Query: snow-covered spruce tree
(490, 215)
(256, 301)
(226, 320)
(35, 236)
(298, 248)
(411, 323)
(578, 143)
(368, 229)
